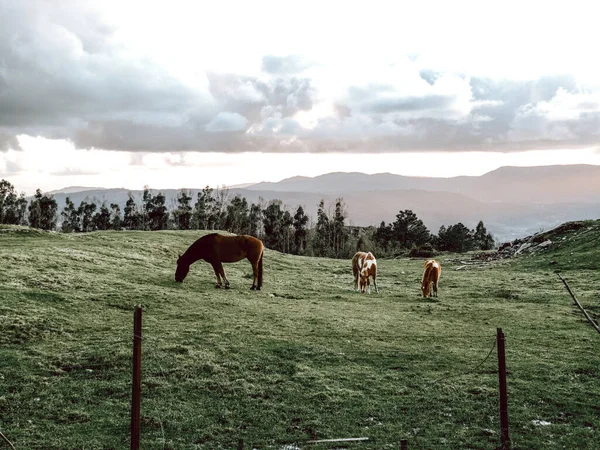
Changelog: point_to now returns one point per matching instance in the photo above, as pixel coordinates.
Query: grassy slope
(305, 358)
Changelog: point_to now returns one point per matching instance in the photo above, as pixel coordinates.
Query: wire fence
(472, 358)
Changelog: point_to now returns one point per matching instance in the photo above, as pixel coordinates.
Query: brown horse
(217, 249)
(431, 275)
(364, 266)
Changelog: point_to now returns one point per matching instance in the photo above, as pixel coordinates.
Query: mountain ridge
(512, 201)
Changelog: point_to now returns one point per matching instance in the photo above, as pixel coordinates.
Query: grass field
(305, 358)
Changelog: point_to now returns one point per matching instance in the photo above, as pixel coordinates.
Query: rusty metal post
(136, 387)
(504, 438)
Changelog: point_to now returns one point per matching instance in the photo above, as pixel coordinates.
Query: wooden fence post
(403, 444)
(137, 378)
(504, 438)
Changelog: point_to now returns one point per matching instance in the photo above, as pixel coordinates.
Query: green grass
(305, 358)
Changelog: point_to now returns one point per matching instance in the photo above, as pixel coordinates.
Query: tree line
(282, 229)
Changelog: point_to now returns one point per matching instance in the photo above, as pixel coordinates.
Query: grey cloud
(286, 65)
(59, 69)
(226, 121)
(429, 75)
(387, 105)
(249, 95)
(131, 136)
(8, 142)
(12, 168)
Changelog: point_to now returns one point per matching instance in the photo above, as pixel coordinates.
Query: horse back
(236, 248)
(432, 270)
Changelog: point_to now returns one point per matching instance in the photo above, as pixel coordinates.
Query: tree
(12, 206)
(273, 223)
(116, 222)
(71, 220)
(182, 216)
(101, 220)
(218, 212)
(384, 236)
(455, 238)
(237, 220)
(338, 230)
(131, 217)
(86, 212)
(483, 239)
(300, 232)
(255, 220)
(42, 211)
(203, 209)
(286, 232)
(157, 216)
(146, 208)
(322, 236)
(409, 229)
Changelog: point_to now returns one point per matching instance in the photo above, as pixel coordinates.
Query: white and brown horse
(431, 275)
(364, 266)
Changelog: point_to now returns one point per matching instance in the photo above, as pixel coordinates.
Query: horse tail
(260, 269)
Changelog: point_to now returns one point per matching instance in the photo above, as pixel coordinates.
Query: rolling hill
(305, 358)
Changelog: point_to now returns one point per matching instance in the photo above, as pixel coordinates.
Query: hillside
(305, 358)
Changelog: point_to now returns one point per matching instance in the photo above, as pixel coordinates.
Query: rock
(522, 247)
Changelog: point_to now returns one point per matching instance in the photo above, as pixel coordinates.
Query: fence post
(504, 439)
(403, 444)
(137, 378)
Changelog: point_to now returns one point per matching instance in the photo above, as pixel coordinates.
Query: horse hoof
(218, 286)
(227, 286)
(258, 288)
(252, 288)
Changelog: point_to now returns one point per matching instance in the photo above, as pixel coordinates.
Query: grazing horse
(364, 266)
(431, 275)
(217, 249)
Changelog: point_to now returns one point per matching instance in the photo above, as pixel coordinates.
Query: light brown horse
(364, 266)
(216, 249)
(431, 275)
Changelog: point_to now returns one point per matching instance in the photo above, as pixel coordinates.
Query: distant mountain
(72, 189)
(544, 184)
(512, 201)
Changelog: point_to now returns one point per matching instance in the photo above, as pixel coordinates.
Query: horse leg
(256, 272)
(375, 279)
(217, 273)
(435, 286)
(224, 277)
(255, 275)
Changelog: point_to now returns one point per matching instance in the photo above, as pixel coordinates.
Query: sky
(187, 94)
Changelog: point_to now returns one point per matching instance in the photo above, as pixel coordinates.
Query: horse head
(182, 270)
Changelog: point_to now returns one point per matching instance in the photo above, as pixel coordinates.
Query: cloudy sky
(185, 94)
